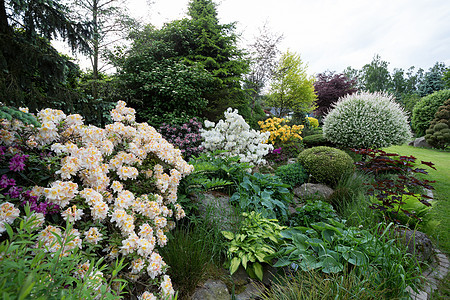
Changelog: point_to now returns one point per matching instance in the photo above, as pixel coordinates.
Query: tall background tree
(264, 54)
(329, 87)
(32, 72)
(291, 89)
(198, 43)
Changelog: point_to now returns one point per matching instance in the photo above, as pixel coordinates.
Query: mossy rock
(325, 164)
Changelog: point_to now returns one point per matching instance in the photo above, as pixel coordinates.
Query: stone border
(432, 277)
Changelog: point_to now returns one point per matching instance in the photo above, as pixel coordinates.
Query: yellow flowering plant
(280, 132)
(117, 185)
(313, 122)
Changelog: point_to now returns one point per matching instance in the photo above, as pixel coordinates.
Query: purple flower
(5, 182)
(17, 162)
(14, 192)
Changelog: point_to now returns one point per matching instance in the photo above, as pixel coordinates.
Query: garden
(197, 169)
(128, 211)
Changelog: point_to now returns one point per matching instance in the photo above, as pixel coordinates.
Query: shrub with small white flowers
(367, 120)
(235, 137)
(117, 185)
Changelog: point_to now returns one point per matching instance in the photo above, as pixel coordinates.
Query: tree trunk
(95, 50)
(4, 26)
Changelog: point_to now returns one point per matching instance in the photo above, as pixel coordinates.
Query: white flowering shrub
(118, 187)
(367, 120)
(235, 137)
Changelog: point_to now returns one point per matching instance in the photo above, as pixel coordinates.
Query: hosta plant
(367, 120)
(252, 245)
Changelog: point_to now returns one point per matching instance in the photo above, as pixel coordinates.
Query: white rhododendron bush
(234, 136)
(118, 187)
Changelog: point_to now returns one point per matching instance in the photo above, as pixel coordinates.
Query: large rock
(212, 290)
(418, 244)
(421, 142)
(313, 191)
(216, 208)
(251, 292)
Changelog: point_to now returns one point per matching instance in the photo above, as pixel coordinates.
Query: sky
(332, 34)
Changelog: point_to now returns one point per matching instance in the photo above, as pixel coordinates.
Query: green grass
(439, 227)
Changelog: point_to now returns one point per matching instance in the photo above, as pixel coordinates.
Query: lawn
(439, 228)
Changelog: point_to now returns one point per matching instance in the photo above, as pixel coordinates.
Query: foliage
(425, 110)
(263, 55)
(348, 190)
(325, 164)
(438, 135)
(283, 154)
(193, 249)
(212, 171)
(292, 174)
(313, 285)
(366, 120)
(391, 192)
(235, 137)
(316, 140)
(312, 212)
(163, 88)
(21, 115)
(280, 132)
(329, 87)
(432, 80)
(139, 192)
(186, 137)
(312, 122)
(252, 244)
(330, 246)
(264, 193)
(375, 76)
(291, 88)
(27, 269)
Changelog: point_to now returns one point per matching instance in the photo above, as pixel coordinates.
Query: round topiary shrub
(292, 174)
(438, 135)
(367, 120)
(325, 164)
(425, 109)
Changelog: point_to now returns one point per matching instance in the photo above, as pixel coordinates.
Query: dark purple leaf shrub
(389, 190)
(186, 137)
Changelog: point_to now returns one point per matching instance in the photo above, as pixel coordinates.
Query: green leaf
(331, 265)
(234, 265)
(228, 235)
(282, 262)
(258, 270)
(244, 259)
(26, 287)
(355, 257)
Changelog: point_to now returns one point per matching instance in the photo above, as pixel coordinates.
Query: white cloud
(334, 34)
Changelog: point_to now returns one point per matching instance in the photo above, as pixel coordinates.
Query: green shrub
(425, 109)
(438, 135)
(312, 212)
(292, 174)
(316, 140)
(367, 120)
(325, 164)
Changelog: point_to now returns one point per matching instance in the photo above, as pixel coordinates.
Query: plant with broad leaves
(254, 242)
(390, 192)
(265, 194)
(331, 247)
